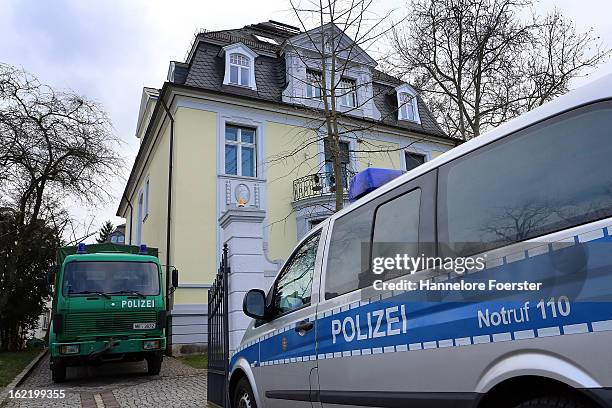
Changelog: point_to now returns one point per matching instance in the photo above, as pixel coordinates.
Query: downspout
(168, 224)
(168, 218)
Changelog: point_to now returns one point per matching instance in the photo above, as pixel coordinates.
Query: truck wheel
(58, 373)
(154, 363)
(551, 402)
(243, 396)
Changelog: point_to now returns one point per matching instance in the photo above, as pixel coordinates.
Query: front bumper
(107, 348)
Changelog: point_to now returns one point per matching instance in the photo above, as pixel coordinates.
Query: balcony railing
(319, 184)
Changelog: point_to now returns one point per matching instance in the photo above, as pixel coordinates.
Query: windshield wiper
(129, 292)
(91, 292)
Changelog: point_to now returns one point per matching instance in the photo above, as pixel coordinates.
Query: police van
(535, 197)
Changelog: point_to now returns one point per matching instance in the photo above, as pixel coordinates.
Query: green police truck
(108, 306)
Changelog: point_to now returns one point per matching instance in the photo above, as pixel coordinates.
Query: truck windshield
(107, 278)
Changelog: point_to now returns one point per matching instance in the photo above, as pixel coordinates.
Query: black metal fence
(318, 184)
(218, 336)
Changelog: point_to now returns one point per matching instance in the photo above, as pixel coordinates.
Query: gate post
(243, 232)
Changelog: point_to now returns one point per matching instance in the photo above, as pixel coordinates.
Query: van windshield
(107, 278)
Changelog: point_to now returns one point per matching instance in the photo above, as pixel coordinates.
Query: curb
(20, 377)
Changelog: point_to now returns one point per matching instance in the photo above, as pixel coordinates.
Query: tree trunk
(337, 164)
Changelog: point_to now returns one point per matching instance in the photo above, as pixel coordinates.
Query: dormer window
(239, 66)
(239, 69)
(407, 105)
(407, 108)
(347, 92)
(313, 84)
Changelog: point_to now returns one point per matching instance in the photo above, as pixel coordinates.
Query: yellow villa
(232, 127)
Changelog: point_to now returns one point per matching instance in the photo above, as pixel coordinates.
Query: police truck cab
(532, 199)
(109, 305)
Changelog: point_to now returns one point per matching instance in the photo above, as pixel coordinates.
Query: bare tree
(332, 48)
(54, 146)
(482, 62)
(51, 142)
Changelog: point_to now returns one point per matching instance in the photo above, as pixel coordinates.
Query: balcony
(319, 184)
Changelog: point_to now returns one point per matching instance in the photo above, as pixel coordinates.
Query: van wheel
(551, 402)
(154, 363)
(58, 373)
(243, 396)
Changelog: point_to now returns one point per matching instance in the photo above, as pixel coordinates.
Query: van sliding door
(361, 331)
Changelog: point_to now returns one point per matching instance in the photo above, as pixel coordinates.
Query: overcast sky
(108, 50)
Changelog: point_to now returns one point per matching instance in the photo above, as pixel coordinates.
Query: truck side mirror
(174, 278)
(51, 277)
(254, 304)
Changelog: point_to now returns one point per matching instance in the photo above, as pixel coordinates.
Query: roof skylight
(266, 39)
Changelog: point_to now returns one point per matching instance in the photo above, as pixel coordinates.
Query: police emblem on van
(137, 303)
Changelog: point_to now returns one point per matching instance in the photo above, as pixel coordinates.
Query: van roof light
(81, 248)
(143, 249)
(369, 180)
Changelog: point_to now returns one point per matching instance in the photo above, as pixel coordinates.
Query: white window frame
(403, 92)
(408, 152)
(245, 52)
(242, 63)
(313, 84)
(239, 145)
(348, 96)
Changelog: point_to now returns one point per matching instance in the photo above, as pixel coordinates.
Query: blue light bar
(369, 180)
(143, 249)
(81, 248)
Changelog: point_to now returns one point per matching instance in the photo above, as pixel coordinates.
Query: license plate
(143, 326)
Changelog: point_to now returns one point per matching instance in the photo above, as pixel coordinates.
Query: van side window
(348, 258)
(396, 227)
(547, 177)
(293, 287)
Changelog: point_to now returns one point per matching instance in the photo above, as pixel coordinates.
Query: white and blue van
(534, 198)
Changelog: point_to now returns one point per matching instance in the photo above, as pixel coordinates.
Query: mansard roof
(204, 69)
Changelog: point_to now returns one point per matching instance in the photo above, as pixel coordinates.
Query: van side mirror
(174, 278)
(254, 304)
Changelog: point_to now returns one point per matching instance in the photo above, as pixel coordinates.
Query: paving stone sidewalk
(119, 385)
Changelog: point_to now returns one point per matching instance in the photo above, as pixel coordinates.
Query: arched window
(240, 66)
(407, 104)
